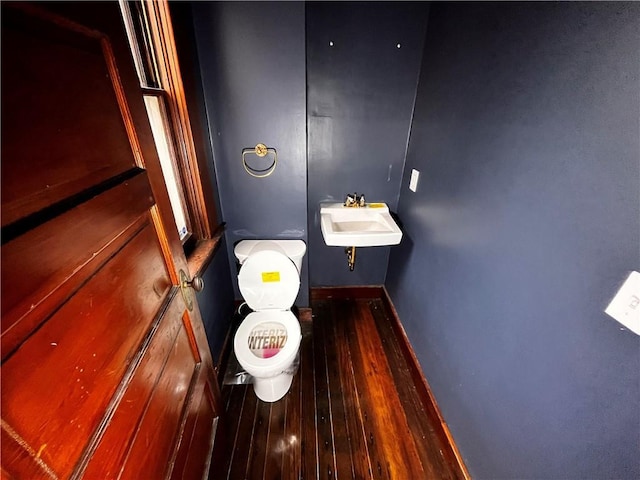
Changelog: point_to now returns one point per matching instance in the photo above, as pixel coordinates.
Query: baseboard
(357, 291)
(424, 390)
(305, 315)
(223, 357)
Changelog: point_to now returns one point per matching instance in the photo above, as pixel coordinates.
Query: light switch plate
(625, 306)
(413, 182)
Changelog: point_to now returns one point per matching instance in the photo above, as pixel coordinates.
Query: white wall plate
(625, 306)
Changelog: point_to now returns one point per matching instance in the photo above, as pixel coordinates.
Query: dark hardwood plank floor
(352, 411)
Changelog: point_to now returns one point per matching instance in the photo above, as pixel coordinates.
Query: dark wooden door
(105, 369)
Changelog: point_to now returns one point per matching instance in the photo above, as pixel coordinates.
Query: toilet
(267, 341)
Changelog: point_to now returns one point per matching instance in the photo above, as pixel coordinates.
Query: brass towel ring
(259, 150)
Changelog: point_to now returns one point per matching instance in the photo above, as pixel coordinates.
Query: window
(154, 52)
(156, 110)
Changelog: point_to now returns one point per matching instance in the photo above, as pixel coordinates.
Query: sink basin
(368, 226)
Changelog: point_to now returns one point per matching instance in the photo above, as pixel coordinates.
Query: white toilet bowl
(267, 341)
(272, 375)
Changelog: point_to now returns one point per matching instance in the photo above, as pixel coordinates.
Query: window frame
(161, 98)
(190, 159)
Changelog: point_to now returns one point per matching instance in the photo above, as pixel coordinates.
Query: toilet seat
(267, 367)
(269, 280)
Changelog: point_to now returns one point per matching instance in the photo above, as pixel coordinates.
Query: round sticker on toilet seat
(267, 339)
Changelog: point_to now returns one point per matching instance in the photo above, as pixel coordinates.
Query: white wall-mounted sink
(368, 226)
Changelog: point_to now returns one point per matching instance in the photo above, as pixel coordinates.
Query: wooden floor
(353, 410)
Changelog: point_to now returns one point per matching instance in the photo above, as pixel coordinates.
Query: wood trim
(227, 345)
(305, 315)
(223, 358)
(359, 291)
(200, 258)
(47, 16)
(164, 41)
(165, 244)
(122, 101)
(422, 385)
(185, 44)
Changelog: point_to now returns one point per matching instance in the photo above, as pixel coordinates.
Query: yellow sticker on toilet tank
(270, 277)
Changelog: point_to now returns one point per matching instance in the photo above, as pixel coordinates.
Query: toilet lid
(269, 280)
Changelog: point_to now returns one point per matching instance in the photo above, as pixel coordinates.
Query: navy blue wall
(216, 301)
(252, 57)
(360, 94)
(526, 220)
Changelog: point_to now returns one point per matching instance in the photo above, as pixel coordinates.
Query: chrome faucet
(354, 200)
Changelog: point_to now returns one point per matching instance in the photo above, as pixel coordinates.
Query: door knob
(195, 283)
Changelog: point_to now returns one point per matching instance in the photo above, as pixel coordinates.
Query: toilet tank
(294, 249)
